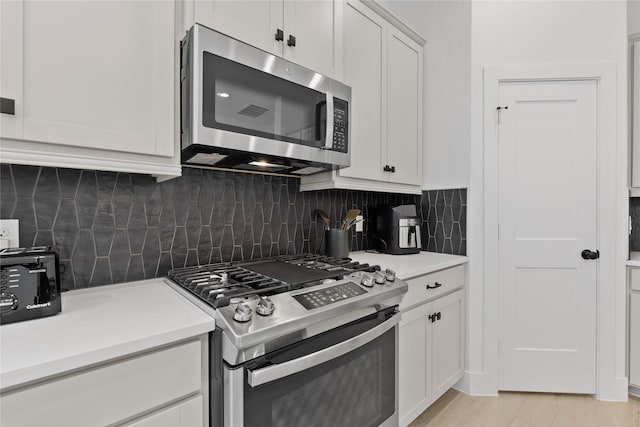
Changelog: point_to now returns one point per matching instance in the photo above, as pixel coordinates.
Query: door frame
(612, 213)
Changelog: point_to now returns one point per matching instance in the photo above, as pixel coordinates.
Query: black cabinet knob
(291, 41)
(388, 168)
(588, 254)
(279, 35)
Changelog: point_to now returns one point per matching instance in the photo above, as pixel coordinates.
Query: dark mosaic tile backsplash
(113, 227)
(444, 221)
(634, 212)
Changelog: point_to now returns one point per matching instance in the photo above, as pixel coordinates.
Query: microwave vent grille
(253, 111)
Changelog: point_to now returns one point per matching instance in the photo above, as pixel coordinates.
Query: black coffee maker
(397, 229)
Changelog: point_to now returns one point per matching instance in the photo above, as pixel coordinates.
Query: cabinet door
(254, 22)
(447, 345)
(414, 392)
(364, 53)
(634, 340)
(185, 414)
(635, 114)
(90, 74)
(404, 109)
(317, 28)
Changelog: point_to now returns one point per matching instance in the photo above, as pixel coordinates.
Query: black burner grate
(224, 283)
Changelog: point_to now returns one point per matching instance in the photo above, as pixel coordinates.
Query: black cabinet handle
(435, 286)
(8, 106)
(291, 41)
(587, 254)
(435, 317)
(388, 168)
(279, 35)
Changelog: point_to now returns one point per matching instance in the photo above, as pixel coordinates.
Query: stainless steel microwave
(244, 108)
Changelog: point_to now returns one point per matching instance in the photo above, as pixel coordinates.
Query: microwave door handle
(328, 139)
(274, 372)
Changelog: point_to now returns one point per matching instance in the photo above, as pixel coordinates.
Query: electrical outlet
(359, 223)
(9, 233)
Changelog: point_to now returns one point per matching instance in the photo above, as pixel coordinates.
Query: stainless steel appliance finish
(247, 109)
(301, 322)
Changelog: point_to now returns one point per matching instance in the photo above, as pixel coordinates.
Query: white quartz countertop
(96, 325)
(634, 259)
(408, 266)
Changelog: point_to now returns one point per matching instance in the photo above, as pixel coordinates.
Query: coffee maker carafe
(397, 229)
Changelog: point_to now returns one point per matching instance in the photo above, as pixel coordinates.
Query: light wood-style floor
(528, 409)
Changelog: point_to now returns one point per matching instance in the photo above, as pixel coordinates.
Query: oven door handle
(328, 138)
(274, 372)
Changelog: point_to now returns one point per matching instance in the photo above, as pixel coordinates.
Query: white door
(547, 191)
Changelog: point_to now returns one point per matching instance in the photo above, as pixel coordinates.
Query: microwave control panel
(340, 120)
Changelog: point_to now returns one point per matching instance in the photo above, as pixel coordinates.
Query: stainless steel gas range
(301, 340)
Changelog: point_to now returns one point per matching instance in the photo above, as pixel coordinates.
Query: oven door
(344, 377)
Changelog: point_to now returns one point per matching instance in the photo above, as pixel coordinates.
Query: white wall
(633, 16)
(537, 32)
(447, 60)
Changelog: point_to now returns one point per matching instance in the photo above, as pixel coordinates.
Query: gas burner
(227, 283)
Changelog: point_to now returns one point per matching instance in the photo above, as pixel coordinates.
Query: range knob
(380, 278)
(265, 306)
(366, 280)
(390, 275)
(243, 313)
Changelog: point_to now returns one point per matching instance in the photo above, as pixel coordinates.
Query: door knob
(587, 254)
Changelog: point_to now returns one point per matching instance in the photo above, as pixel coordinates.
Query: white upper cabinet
(253, 22)
(404, 109)
(93, 84)
(317, 28)
(308, 33)
(383, 66)
(364, 50)
(634, 58)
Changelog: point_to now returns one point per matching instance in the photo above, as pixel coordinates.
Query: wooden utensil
(324, 217)
(351, 216)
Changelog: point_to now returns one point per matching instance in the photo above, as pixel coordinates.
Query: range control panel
(322, 297)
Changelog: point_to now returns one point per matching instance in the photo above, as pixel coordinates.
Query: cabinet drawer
(430, 286)
(635, 278)
(109, 393)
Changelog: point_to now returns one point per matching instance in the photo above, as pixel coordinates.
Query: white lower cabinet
(431, 352)
(634, 332)
(187, 413)
(160, 387)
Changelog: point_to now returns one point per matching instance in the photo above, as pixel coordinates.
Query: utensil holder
(336, 243)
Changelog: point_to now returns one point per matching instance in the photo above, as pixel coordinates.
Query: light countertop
(414, 265)
(96, 325)
(634, 259)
